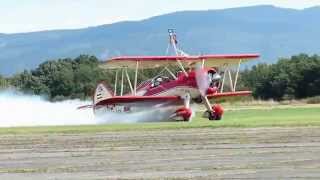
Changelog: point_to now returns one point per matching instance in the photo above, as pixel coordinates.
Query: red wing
(149, 62)
(129, 99)
(229, 94)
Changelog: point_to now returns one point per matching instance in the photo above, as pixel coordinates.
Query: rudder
(102, 92)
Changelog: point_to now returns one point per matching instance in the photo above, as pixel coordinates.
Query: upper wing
(149, 62)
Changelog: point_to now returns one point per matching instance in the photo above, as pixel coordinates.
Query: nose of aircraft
(203, 79)
(212, 90)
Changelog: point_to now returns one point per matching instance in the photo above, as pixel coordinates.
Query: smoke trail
(144, 112)
(17, 109)
(145, 115)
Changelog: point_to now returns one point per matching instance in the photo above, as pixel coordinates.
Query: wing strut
(129, 81)
(122, 79)
(182, 68)
(115, 83)
(170, 72)
(232, 80)
(136, 77)
(236, 78)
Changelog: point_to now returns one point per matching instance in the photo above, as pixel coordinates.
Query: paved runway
(224, 153)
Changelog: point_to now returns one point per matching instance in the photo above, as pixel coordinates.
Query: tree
(3, 83)
(295, 77)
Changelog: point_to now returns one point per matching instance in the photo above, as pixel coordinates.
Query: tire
(218, 118)
(214, 117)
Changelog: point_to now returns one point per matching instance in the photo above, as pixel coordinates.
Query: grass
(247, 118)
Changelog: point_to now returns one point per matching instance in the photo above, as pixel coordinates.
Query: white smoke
(18, 109)
(147, 115)
(151, 112)
(202, 79)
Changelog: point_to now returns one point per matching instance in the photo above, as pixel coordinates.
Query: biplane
(168, 98)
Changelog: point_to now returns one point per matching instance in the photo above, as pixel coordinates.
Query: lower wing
(229, 94)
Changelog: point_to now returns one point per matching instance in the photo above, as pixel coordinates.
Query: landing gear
(187, 119)
(215, 114)
(212, 116)
(184, 113)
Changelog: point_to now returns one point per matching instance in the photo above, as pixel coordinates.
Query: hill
(271, 31)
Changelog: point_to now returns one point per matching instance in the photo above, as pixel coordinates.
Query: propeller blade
(202, 79)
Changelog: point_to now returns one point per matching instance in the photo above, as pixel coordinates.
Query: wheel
(218, 118)
(214, 117)
(186, 119)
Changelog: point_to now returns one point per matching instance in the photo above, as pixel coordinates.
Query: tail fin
(102, 92)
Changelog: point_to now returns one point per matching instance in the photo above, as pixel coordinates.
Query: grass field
(285, 147)
(279, 116)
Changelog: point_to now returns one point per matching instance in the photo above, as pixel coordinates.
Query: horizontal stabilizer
(85, 107)
(101, 93)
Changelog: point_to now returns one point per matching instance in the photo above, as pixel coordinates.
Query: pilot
(160, 80)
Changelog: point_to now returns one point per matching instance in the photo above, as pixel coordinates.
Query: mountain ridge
(271, 31)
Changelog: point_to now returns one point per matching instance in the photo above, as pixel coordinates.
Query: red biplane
(164, 98)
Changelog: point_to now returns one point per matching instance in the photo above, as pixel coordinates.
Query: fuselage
(185, 83)
(157, 99)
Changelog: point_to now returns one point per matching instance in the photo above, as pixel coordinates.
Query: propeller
(203, 80)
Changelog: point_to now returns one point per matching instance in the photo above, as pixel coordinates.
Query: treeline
(290, 78)
(69, 78)
(60, 79)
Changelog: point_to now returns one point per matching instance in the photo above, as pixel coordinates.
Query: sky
(37, 15)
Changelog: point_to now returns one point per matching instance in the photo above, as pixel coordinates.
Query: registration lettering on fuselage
(117, 108)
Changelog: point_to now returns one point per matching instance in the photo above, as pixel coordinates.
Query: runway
(222, 153)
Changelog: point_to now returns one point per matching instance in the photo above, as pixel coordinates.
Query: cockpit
(214, 78)
(158, 80)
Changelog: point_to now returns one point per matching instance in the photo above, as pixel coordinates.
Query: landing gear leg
(185, 112)
(213, 113)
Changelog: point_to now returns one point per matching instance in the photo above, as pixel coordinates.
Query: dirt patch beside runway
(277, 153)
